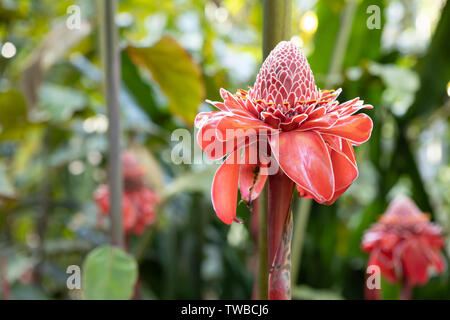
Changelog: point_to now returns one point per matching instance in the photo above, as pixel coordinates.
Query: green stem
(277, 23)
(300, 223)
(111, 61)
(340, 46)
(276, 28)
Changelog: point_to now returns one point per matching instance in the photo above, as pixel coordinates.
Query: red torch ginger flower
(310, 135)
(138, 201)
(404, 244)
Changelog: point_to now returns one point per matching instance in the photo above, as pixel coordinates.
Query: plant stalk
(300, 223)
(281, 189)
(111, 63)
(277, 23)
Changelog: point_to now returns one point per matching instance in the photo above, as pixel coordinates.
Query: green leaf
(178, 76)
(109, 273)
(59, 103)
(364, 43)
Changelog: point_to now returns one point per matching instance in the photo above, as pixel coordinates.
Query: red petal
(356, 129)
(219, 105)
(304, 157)
(231, 103)
(206, 139)
(345, 172)
(225, 188)
(437, 261)
(347, 148)
(415, 263)
(384, 261)
(238, 127)
(327, 121)
(252, 176)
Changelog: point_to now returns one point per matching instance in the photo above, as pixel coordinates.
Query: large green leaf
(178, 76)
(364, 43)
(109, 273)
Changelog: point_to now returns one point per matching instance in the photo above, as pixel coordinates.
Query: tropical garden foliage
(174, 55)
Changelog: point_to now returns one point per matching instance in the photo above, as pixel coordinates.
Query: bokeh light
(8, 50)
(309, 22)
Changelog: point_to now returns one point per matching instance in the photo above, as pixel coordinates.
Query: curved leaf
(109, 273)
(178, 76)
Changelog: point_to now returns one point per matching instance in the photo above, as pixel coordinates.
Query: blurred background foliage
(175, 54)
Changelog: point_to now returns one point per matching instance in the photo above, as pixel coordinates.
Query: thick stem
(111, 61)
(277, 27)
(279, 230)
(277, 23)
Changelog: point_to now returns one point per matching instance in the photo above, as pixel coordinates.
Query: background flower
(138, 201)
(405, 244)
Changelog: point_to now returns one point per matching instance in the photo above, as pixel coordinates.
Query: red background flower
(404, 244)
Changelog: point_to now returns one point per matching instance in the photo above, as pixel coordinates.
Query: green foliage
(58, 103)
(13, 115)
(53, 143)
(175, 72)
(109, 273)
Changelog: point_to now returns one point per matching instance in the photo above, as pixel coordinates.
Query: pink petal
(327, 121)
(206, 139)
(252, 175)
(239, 127)
(304, 157)
(225, 189)
(415, 264)
(231, 103)
(356, 129)
(345, 172)
(219, 105)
